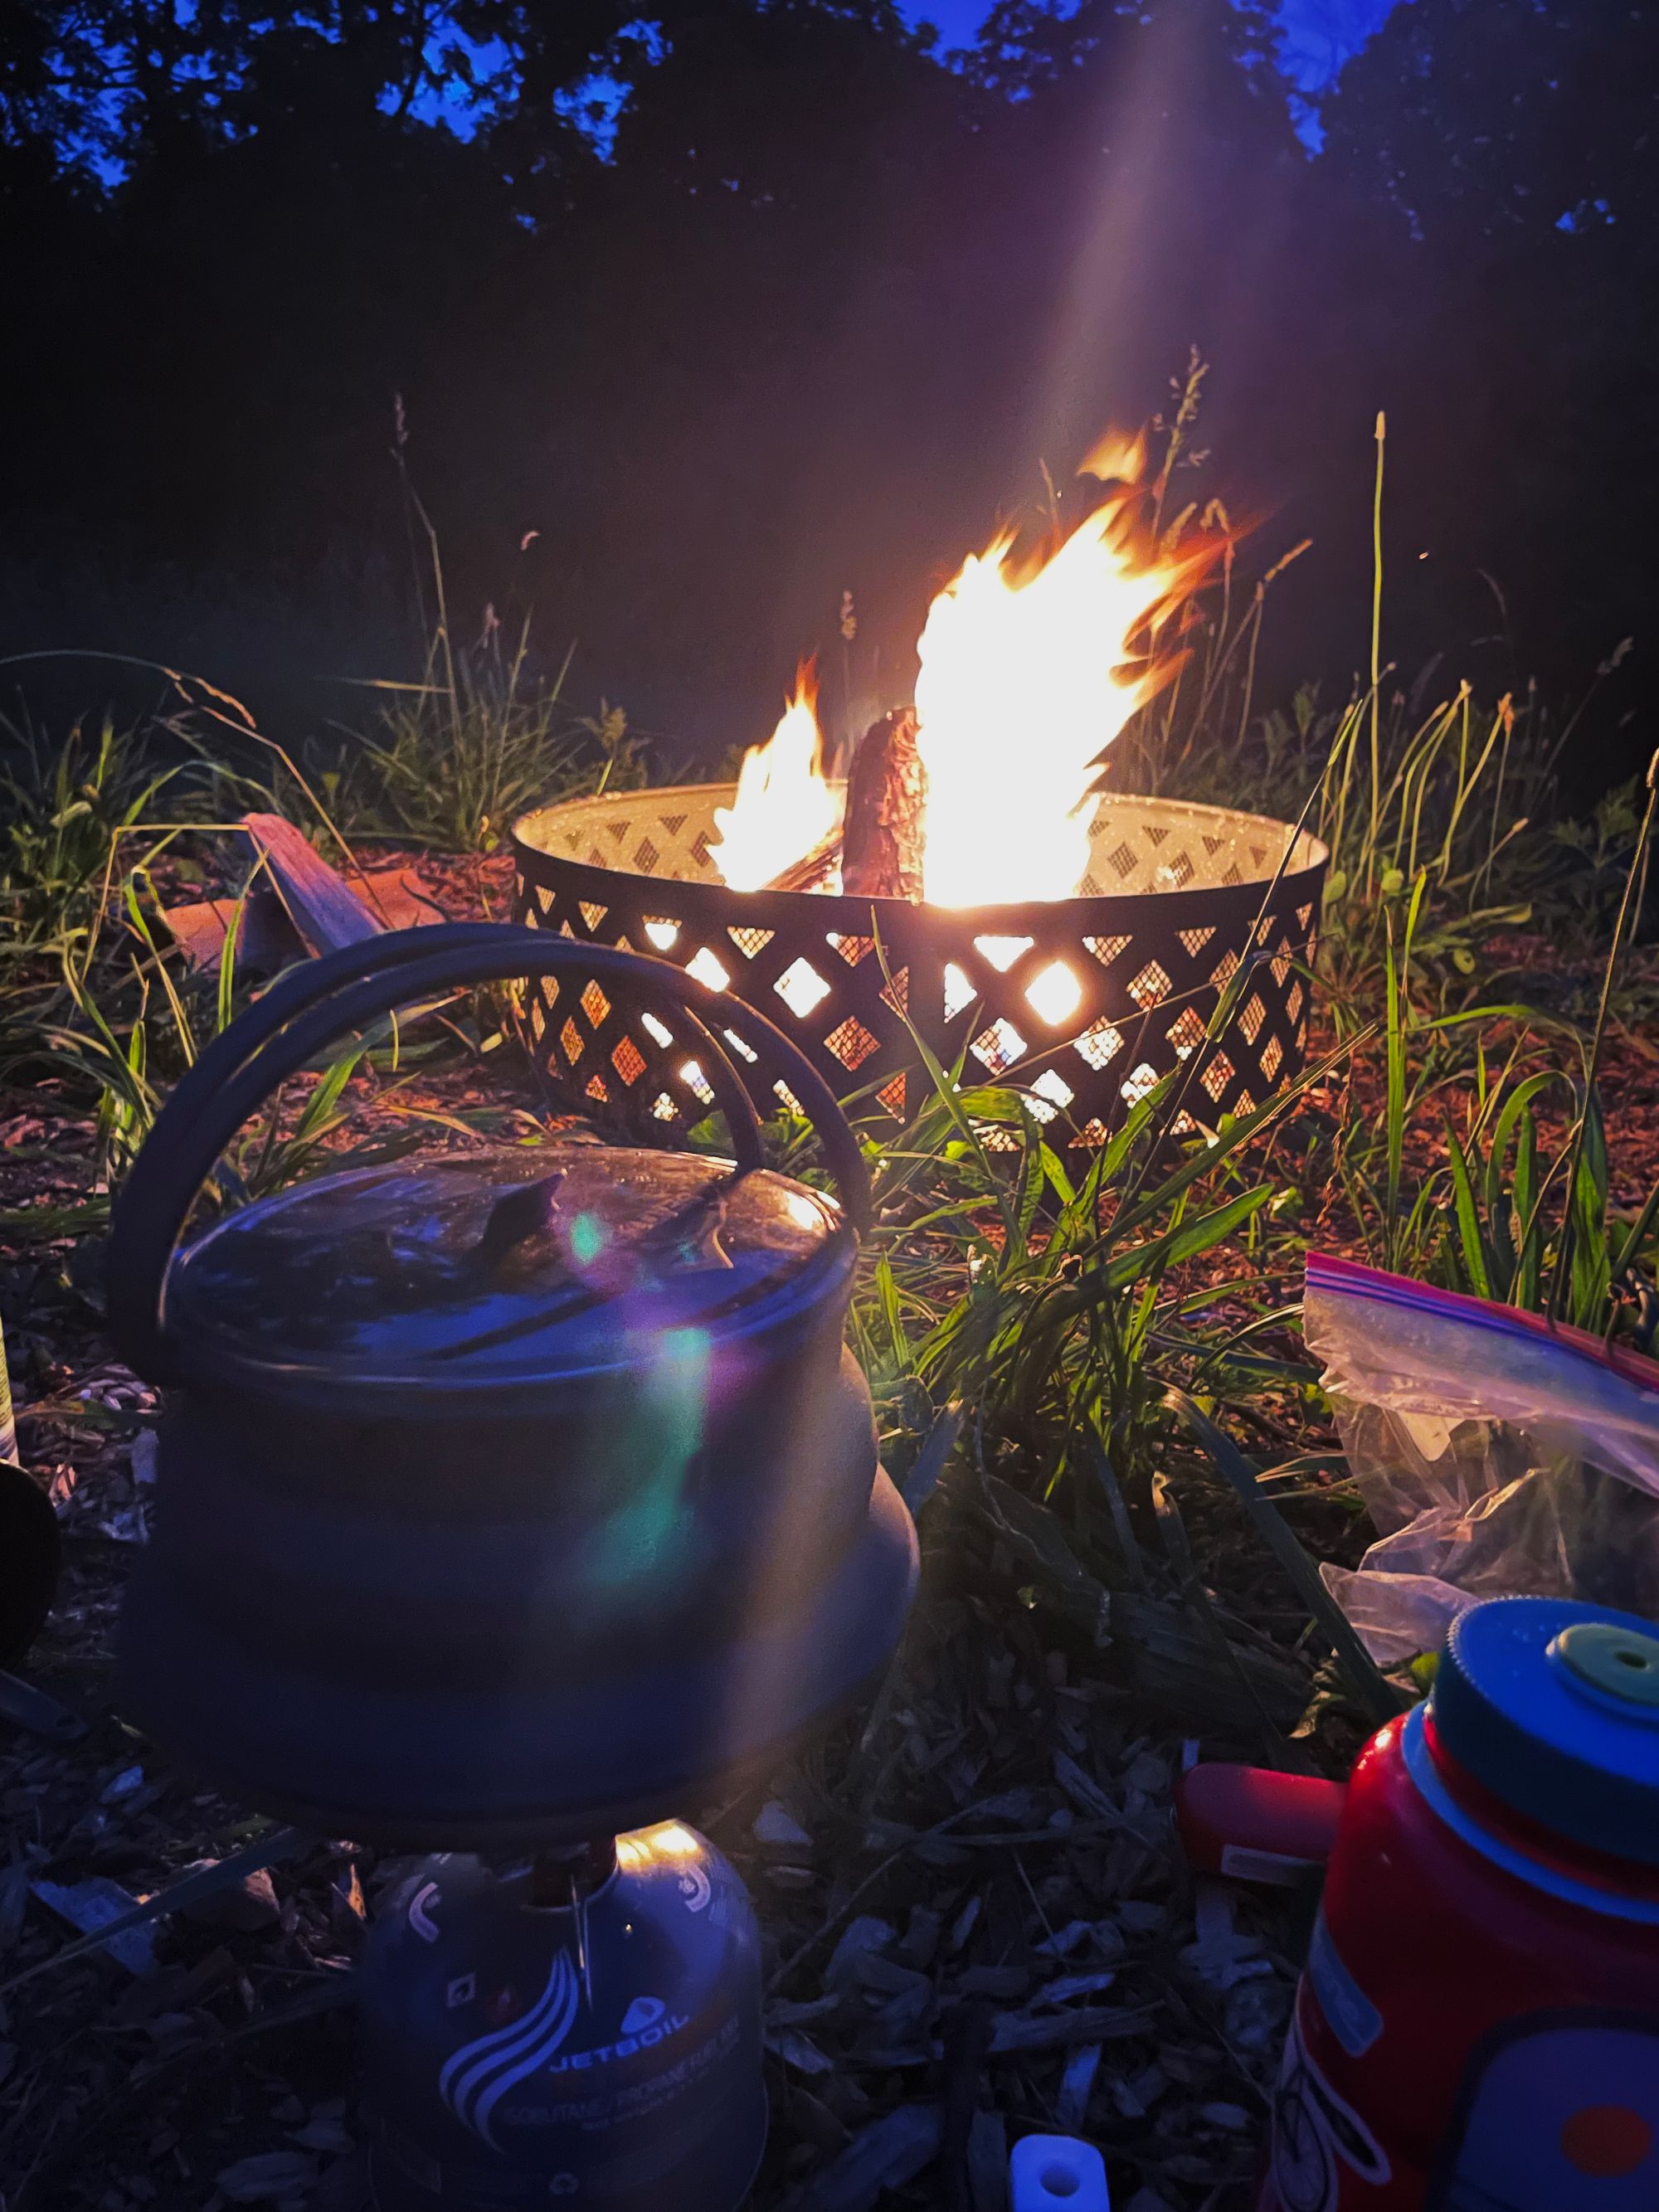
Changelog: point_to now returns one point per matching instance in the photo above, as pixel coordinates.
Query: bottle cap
(1553, 1706)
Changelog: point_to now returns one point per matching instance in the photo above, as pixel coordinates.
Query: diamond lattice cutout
(1141, 1083)
(998, 1046)
(1053, 1093)
(896, 994)
(1002, 952)
(629, 1060)
(701, 845)
(1181, 869)
(1219, 1072)
(852, 1043)
(1151, 985)
(1293, 1003)
(572, 1039)
(1251, 1015)
(1056, 994)
(891, 1096)
(594, 1004)
(708, 968)
(1272, 1054)
(663, 1108)
(1187, 1034)
(1123, 857)
(801, 987)
(749, 942)
(646, 857)
(851, 949)
(595, 1090)
(1225, 969)
(592, 914)
(959, 993)
(1106, 948)
(1194, 940)
(1098, 1045)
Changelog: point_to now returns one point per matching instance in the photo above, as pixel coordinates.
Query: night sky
(1319, 34)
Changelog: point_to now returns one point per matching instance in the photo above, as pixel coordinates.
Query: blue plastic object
(1554, 1707)
(1057, 2173)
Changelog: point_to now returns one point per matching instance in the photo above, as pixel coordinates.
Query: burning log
(885, 834)
(813, 870)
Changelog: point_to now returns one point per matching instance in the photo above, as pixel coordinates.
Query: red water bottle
(1477, 2027)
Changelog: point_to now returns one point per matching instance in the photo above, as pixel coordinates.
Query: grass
(1055, 1329)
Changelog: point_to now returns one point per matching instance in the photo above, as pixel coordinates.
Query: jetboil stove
(508, 1500)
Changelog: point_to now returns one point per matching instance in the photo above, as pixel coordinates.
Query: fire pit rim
(1309, 856)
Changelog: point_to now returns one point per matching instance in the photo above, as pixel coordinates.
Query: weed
(64, 808)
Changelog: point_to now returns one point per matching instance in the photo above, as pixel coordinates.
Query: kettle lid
(505, 1265)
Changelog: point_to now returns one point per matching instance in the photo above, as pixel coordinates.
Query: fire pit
(1084, 1001)
(965, 880)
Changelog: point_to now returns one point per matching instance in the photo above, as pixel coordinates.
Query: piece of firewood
(885, 831)
(322, 906)
(812, 872)
(267, 940)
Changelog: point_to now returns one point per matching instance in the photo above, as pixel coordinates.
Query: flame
(784, 806)
(1029, 669)
(1023, 686)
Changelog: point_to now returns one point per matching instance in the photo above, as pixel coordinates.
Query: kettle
(505, 1494)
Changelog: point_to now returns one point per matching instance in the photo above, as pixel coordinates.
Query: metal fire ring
(1177, 897)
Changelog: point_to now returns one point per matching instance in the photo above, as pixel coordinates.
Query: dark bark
(885, 832)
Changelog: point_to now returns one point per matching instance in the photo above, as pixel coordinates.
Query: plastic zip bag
(1497, 1455)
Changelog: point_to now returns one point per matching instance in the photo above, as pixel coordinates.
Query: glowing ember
(1030, 668)
(783, 807)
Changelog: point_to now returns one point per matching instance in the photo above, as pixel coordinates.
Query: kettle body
(509, 1493)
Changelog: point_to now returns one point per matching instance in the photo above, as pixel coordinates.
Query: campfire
(966, 877)
(980, 794)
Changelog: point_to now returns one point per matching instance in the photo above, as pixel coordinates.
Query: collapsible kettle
(514, 1493)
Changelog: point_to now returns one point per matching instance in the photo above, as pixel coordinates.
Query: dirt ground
(974, 1913)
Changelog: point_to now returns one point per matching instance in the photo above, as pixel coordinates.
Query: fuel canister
(583, 2032)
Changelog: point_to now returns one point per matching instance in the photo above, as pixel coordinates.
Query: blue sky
(1319, 34)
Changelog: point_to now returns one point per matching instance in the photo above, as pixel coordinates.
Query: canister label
(1354, 2020)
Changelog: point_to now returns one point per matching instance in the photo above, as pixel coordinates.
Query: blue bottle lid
(1554, 1707)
